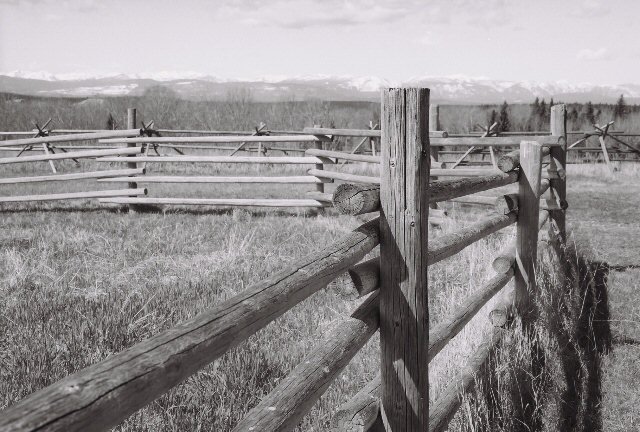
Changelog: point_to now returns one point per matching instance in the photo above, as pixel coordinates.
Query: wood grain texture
(240, 202)
(366, 276)
(510, 161)
(356, 199)
(334, 175)
(342, 155)
(218, 139)
(74, 195)
(218, 179)
(73, 176)
(506, 258)
(444, 246)
(361, 410)
(294, 160)
(559, 155)
(361, 132)
(103, 395)
(527, 226)
(404, 315)
(72, 155)
(283, 408)
(70, 138)
(445, 190)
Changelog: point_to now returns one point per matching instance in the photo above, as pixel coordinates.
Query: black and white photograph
(319, 215)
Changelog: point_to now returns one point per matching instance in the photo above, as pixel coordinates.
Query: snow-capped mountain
(195, 85)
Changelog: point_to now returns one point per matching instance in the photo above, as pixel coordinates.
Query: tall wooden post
(559, 162)
(404, 226)
(318, 145)
(434, 124)
(131, 124)
(527, 226)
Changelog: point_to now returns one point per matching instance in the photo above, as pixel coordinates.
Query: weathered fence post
(131, 124)
(434, 124)
(527, 226)
(404, 225)
(559, 162)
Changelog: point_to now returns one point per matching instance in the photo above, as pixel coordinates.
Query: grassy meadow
(80, 281)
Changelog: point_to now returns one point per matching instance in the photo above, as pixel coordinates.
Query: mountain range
(195, 86)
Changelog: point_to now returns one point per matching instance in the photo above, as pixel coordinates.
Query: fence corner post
(404, 229)
(527, 225)
(131, 124)
(558, 154)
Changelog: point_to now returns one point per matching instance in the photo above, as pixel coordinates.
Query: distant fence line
(106, 393)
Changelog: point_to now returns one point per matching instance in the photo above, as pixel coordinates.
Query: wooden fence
(104, 394)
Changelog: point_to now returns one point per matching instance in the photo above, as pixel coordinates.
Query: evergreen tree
(533, 115)
(504, 124)
(551, 103)
(588, 113)
(493, 118)
(620, 110)
(542, 112)
(572, 117)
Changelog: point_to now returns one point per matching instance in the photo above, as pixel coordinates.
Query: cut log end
(354, 199)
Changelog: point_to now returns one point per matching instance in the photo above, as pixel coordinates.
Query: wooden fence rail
(104, 394)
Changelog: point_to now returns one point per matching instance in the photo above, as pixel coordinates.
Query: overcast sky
(538, 40)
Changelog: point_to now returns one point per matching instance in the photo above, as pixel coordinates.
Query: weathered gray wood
(72, 155)
(319, 166)
(445, 190)
(342, 155)
(283, 408)
(360, 199)
(356, 199)
(258, 131)
(434, 123)
(103, 395)
(559, 155)
(69, 138)
(73, 195)
(294, 160)
(218, 139)
(404, 314)
(334, 175)
(362, 409)
(230, 202)
(506, 258)
(506, 204)
(360, 132)
(527, 227)
(45, 148)
(73, 176)
(320, 196)
(218, 179)
(446, 245)
(366, 276)
(510, 161)
(131, 124)
(476, 199)
(445, 407)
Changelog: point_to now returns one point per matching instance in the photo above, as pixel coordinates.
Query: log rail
(104, 394)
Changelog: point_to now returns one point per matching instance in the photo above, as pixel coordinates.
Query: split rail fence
(395, 285)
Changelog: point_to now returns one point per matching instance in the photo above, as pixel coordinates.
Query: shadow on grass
(547, 376)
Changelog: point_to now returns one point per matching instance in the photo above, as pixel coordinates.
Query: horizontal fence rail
(103, 395)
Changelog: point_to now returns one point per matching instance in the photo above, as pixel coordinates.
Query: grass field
(80, 282)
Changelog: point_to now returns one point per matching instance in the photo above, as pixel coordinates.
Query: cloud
(593, 54)
(590, 9)
(300, 14)
(86, 6)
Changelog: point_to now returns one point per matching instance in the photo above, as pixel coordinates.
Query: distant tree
(551, 103)
(620, 110)
(504, 124)
(492, 118)
(588, 113)
(112, 124)
(572, 117)
(160, 104)
(534, 115)
(542, 112)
